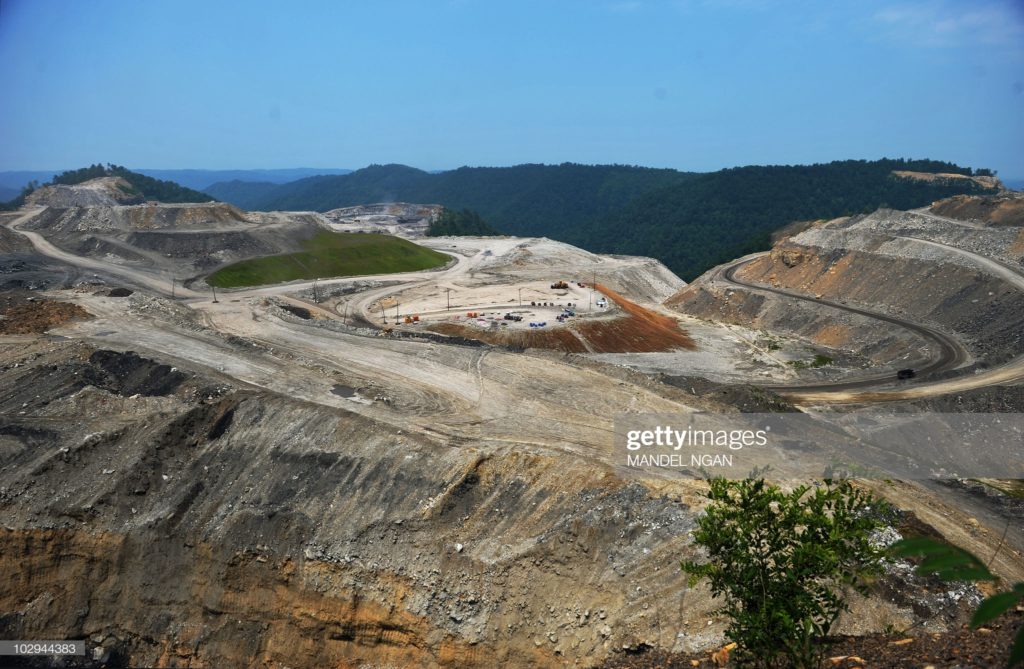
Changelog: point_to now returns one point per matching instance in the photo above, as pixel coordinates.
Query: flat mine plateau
(418, 469)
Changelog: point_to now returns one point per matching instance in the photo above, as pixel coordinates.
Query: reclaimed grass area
(331, 254)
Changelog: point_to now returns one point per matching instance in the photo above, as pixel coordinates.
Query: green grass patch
(1012, 487)
(331, 254)
(819, 361)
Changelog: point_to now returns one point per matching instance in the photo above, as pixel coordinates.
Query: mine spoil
(295, 475)
(23, 313)
(992, 210)
(122, 472)
(257, 505)
(183, 238)
(961, 279)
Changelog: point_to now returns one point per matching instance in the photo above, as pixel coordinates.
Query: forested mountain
(722, 215)
(522, 200)
(465, 223)
(241, 193)
(689, 221)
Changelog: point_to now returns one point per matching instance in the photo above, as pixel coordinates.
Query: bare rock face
(103, 191)
(990, 183)
(172, 519)
(791, 257)
(396, 218)
(1006, 209)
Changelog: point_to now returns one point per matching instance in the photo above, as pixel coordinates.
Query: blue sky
(689, 84)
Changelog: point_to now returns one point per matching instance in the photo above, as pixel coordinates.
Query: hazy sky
(689, 84)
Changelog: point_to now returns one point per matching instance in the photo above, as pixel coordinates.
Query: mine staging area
(417, 468)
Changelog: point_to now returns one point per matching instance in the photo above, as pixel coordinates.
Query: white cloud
(953, 24)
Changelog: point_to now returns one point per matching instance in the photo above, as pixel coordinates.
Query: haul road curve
(951, 354)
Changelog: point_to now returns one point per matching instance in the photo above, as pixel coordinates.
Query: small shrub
(782, 561)
(818, 361)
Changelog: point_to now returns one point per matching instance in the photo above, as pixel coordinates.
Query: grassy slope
(329, 254)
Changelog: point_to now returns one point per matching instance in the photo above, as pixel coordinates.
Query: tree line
(689, 221)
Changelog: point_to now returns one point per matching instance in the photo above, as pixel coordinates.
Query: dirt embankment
(993, 209)
(642, 330)
(111, 219)
(179, 239)
(22, 313)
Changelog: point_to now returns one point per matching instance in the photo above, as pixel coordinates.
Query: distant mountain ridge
(190, 178)
(690, 221)
(201, 179)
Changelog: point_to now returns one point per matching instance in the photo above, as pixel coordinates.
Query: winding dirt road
(951, 353)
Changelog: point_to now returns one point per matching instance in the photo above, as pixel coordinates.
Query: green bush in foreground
(782, 562)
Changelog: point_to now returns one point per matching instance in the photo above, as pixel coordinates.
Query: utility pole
(383, 315)
(396, 313)
(448, 293)
(316, 299)
(172, 287)
(214, 294)
(344, 318)
(520, 298)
